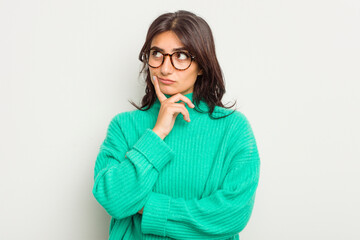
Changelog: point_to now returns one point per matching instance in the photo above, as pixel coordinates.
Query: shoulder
(123, 118)
(240, 120)
(234, 117)
(237, 124)
(128, 119)
(241, 138)
(119, 120)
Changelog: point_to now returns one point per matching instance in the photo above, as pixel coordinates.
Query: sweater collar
(202, 105)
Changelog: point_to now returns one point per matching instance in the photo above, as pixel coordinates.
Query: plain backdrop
(67, 67)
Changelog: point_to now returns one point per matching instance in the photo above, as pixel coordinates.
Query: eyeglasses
(180, 60)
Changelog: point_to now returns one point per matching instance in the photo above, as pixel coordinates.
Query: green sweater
(197, 183)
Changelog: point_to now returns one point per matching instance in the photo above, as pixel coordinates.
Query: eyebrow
(174, 49)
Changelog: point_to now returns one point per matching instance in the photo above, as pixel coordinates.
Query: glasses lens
(155, 58)
(181, 60)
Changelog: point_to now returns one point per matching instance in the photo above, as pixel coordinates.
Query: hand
(141, 211)
(169, 110)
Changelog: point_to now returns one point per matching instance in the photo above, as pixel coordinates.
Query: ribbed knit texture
(197, 183)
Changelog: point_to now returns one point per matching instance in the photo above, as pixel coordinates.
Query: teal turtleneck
(199, 182)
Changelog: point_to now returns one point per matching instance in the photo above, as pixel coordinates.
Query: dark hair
(196, 35)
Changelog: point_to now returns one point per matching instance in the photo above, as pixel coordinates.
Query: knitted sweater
(199, 182)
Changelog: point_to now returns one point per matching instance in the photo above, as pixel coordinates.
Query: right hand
(169, 110)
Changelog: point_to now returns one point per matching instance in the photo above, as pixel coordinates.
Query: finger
(177, 97)
(180, 108)
(159, 94)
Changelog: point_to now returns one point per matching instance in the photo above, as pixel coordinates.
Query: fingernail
(153, 78)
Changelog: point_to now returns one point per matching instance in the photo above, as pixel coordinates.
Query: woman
(161, 175)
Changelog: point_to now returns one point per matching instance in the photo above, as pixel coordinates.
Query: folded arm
(123, 176)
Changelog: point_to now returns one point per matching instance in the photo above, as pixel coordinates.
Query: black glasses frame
(171, 60)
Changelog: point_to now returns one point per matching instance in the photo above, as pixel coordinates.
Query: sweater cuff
(155, 214)
(153, 148)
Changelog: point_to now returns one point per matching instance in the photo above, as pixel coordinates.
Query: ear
(200, 72)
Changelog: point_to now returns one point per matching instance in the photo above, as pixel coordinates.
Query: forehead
(167, 41)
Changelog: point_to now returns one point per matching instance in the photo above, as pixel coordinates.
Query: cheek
(153, 73)
(194, 72)
(191, 76)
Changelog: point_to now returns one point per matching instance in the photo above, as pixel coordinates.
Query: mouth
(166, 81)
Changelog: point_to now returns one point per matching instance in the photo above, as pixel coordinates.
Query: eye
(155, 53)
(182, 55)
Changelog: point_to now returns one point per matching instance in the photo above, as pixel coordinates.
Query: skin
(184, 84)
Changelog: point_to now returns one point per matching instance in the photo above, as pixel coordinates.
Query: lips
(167, 80)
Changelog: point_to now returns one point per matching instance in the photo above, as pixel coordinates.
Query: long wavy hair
(196, 35)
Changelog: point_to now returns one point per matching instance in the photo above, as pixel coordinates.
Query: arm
(123, 176)
(221, 215)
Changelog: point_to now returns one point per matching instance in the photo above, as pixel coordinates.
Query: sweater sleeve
(123, 176)
(221, 215)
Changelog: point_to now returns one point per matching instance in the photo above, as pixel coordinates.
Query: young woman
(181, 166)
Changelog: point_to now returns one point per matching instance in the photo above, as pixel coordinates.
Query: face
(183, 80)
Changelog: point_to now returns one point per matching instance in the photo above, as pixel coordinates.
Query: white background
(67, 67)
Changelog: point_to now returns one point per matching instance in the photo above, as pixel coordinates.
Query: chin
(171, 91)
(168, 92)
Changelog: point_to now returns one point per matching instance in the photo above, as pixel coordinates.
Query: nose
(167, 67)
